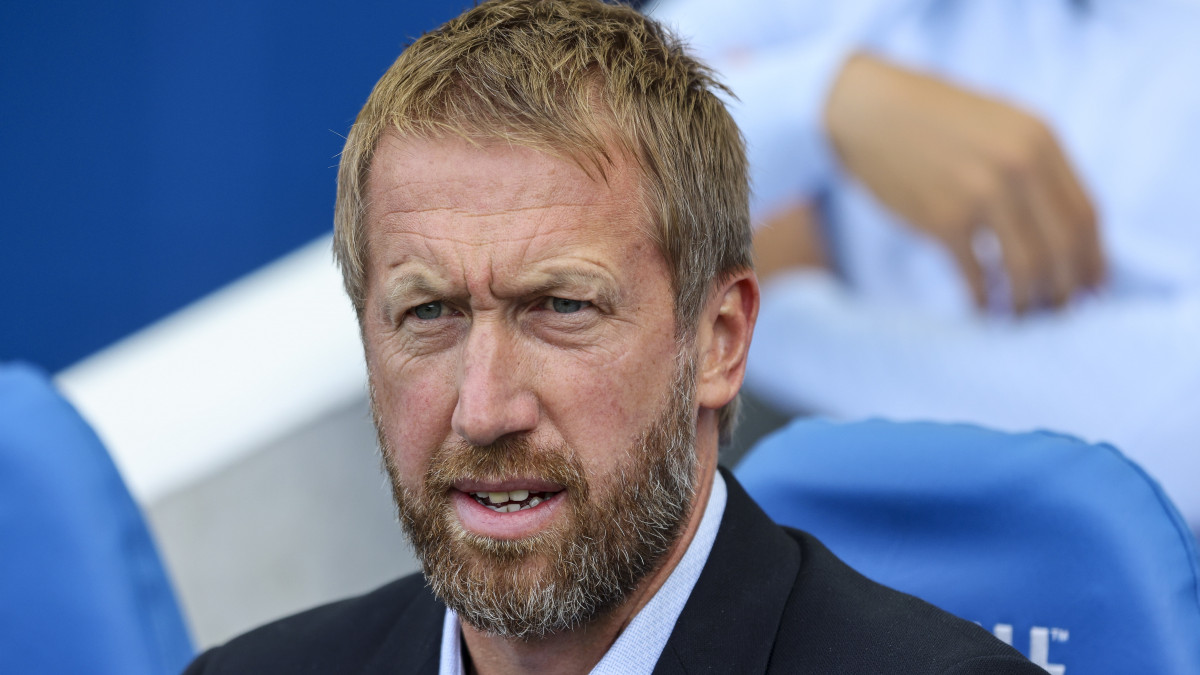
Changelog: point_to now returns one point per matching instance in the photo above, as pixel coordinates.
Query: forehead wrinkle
(546, 229)
(405, 193)
(463, 241)
(459, 211)
(484, 198)
(399, 218)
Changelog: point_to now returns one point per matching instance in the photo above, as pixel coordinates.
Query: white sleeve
(1119, 370)
(780, 58)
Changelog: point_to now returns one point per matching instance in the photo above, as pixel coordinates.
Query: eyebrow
(407, 285)
(554, 279)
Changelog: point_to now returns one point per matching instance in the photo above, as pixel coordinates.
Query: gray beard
(615, 534)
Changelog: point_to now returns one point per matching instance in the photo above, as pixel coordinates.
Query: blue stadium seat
(1066, 550)
(82, 589)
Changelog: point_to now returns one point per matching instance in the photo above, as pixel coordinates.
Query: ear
(723, 339)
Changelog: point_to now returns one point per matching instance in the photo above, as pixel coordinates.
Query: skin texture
(491, 234)
(949, 161)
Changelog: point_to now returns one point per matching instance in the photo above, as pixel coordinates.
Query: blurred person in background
(995, 206)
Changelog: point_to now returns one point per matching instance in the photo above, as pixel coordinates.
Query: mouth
(510, 509)
(510, 501)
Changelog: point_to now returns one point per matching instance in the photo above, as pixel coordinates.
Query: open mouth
(512, 500)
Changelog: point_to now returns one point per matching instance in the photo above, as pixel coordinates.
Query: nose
(494, 399)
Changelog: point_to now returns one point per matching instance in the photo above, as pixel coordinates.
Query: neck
(579, 650)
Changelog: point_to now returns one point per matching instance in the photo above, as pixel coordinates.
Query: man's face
(533, 404)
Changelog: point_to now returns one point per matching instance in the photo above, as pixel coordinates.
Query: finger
(1081, 214)
(963, 250)
(1060, 240)
(1020, 246)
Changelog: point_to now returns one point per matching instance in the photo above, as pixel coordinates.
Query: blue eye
(428, 311)
(565, 306)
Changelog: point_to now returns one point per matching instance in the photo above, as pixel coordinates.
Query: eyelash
(548, 303)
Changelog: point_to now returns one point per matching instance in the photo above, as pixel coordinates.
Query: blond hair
(582, 79)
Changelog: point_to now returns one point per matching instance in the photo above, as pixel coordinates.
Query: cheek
(602, 407)
(414, 401)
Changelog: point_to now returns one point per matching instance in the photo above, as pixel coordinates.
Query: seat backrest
(1066, 550)
(82, 588)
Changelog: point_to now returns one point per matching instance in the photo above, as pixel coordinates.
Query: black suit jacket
(770, 600)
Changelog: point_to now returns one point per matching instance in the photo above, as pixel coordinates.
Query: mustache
(507, 458)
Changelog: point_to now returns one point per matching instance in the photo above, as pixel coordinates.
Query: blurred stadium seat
(1066, 550)
(82, 588)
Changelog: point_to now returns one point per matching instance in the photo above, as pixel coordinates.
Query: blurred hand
(791, 237)
(950, 162)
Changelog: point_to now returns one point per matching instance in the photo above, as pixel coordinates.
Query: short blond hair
(582, 79)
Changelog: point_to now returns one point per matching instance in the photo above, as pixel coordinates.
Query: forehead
(459, 193)
(433, 169)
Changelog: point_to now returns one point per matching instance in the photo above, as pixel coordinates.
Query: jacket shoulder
(837, 620)
(340, 637)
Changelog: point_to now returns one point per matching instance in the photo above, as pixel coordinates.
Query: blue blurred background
(154, 151)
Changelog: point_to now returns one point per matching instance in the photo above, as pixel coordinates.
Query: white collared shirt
(638, 647)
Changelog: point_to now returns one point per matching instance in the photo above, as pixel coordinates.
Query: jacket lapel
(415, 642)
(730, 621)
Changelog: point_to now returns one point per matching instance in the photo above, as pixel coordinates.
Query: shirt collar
(638, 647)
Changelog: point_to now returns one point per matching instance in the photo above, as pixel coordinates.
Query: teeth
(508, 502)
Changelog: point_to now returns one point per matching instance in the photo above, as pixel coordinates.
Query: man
(543, 225)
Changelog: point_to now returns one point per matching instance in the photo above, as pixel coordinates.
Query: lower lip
(483, 521)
